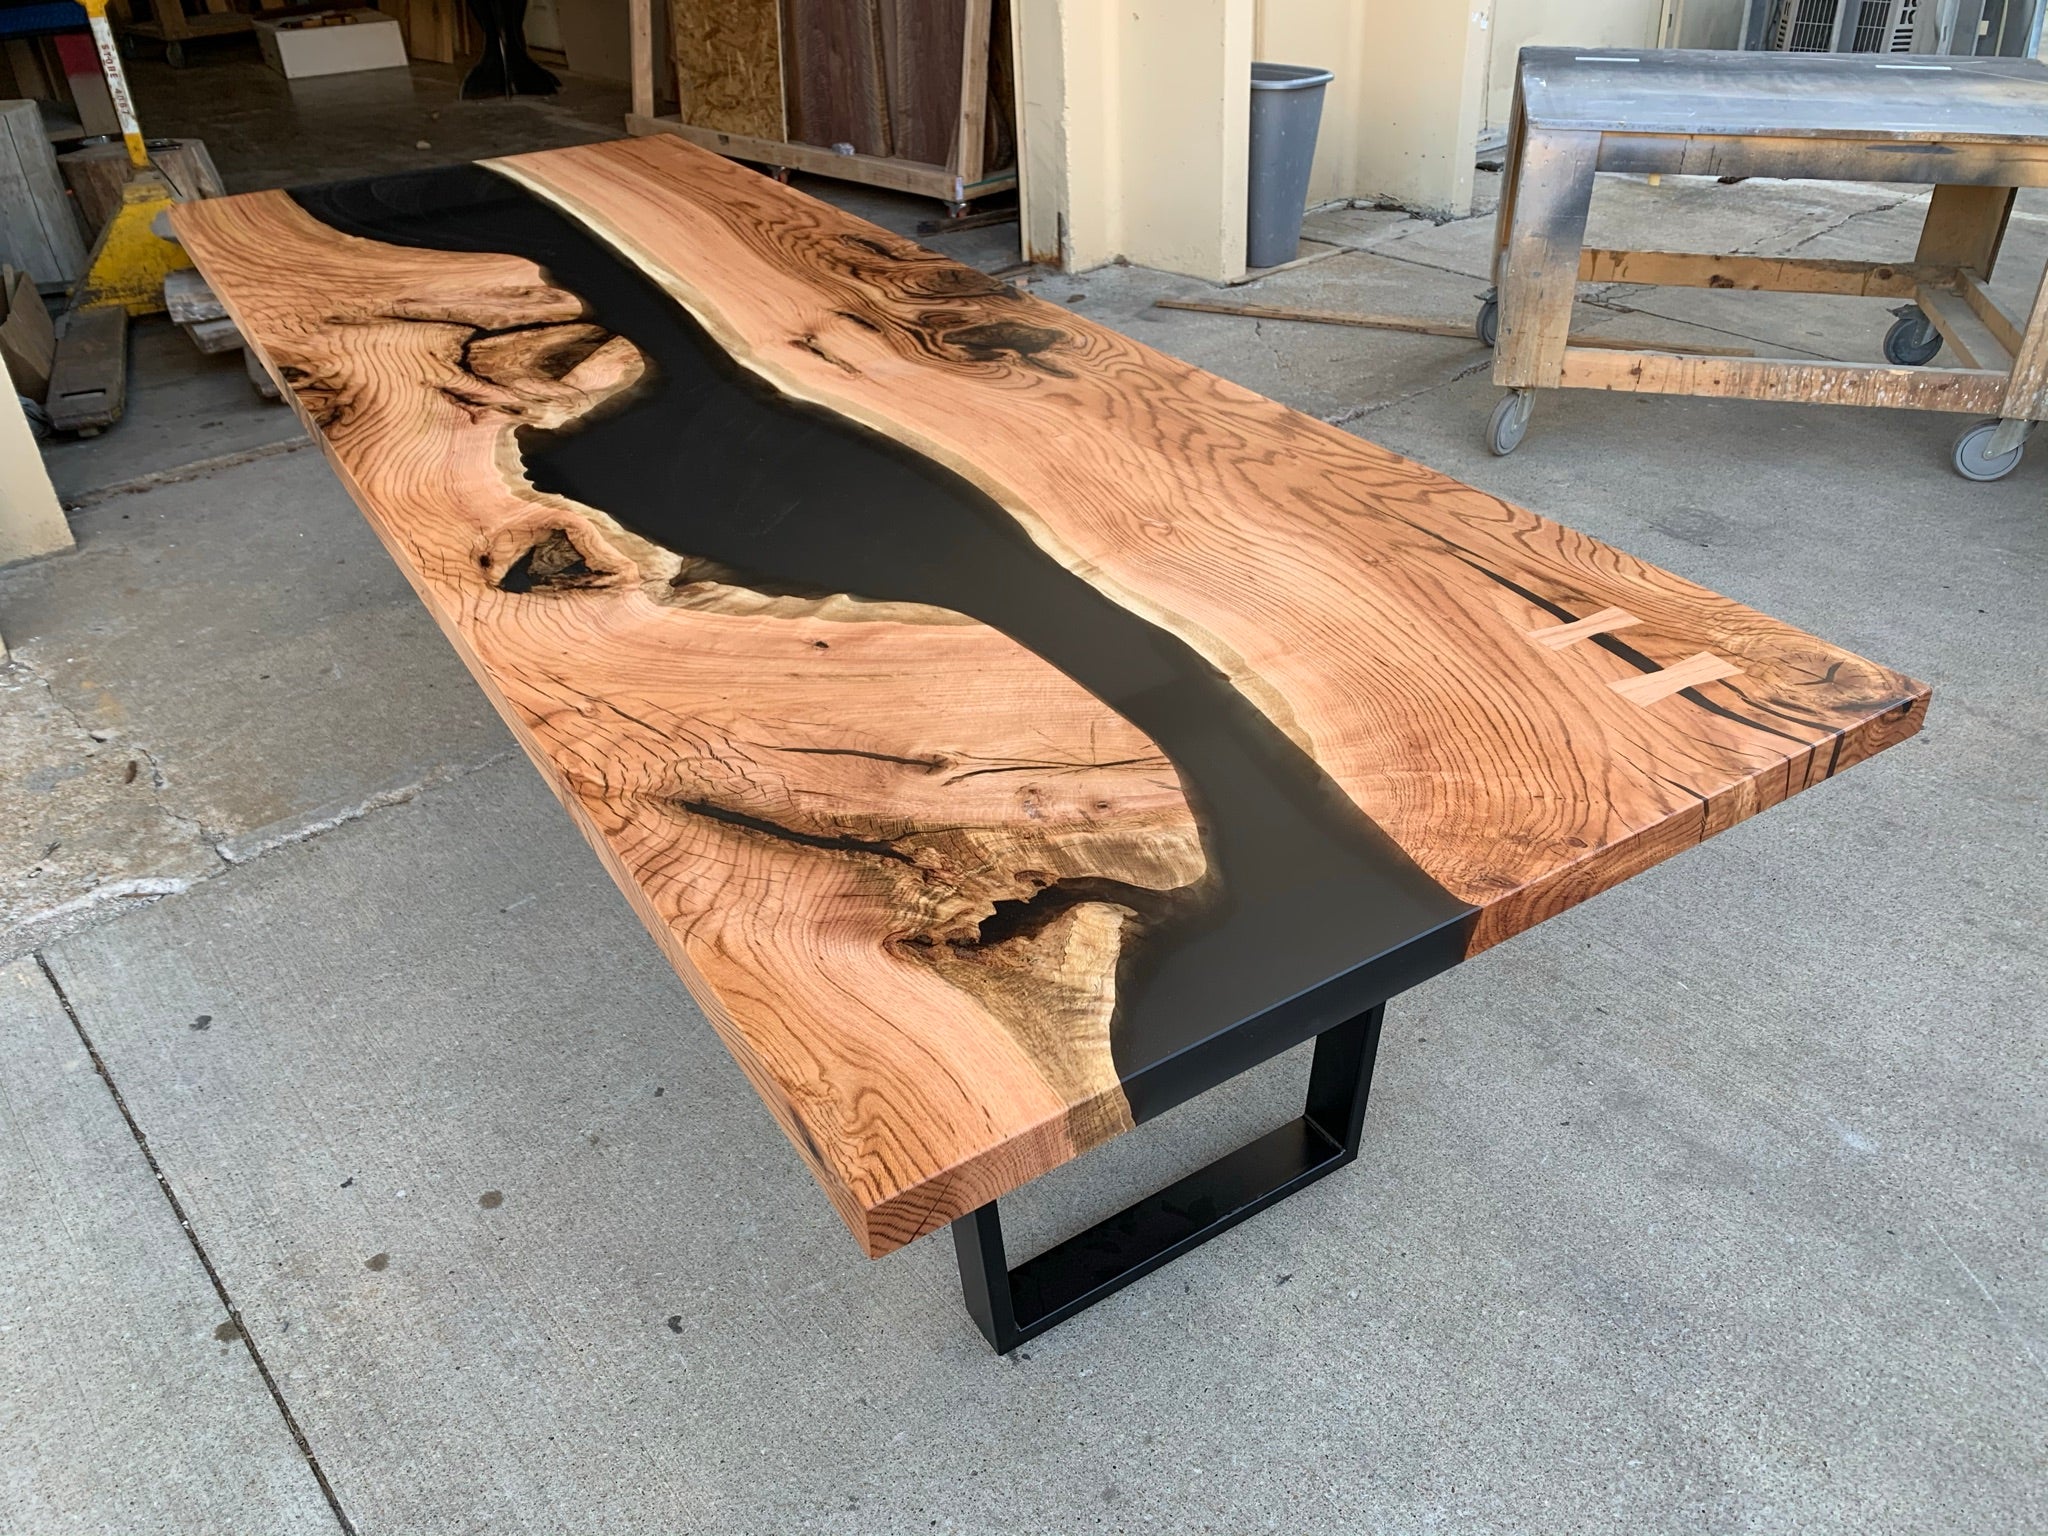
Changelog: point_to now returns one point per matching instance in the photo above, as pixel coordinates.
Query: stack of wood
(38, 231)
(912, 94)
(169, 21)
(202, 317)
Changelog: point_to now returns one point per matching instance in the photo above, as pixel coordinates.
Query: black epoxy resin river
(708, 460)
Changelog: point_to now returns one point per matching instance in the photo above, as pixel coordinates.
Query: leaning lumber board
(988, 714)
(833, 66)
(38, 231)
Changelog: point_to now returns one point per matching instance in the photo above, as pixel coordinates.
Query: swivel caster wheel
(1510, 422)
(1487, 326)
(1912, 340)
(1973, 458)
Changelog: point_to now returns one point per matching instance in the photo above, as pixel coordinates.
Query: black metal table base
(1013, 1305)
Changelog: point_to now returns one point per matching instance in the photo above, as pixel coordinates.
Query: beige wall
(1134, 131)
(1404, 99)
(1519, 24)
(1134, 113)
(31, 522)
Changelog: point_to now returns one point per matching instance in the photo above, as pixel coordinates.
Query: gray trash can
(1287, 109)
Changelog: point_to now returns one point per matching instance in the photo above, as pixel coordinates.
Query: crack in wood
(834, 843)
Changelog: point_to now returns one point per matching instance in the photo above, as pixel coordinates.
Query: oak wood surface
(829, 810)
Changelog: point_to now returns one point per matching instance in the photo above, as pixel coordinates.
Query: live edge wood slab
(1008, 731)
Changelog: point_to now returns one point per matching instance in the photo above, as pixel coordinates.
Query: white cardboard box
(372, 41)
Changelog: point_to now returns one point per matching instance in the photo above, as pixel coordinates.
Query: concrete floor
(1715, 1205)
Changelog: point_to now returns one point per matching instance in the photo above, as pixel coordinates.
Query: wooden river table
(1007, 731)
(1976, 130)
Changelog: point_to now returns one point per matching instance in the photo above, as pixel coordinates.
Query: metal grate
(1905, 15)
(1869, 36)
(1805, 26)
(1820, 26)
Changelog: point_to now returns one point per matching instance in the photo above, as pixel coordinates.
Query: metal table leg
(1013, 1305)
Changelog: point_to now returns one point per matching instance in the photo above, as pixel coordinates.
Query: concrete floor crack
(1359, 412)
(198, 469)
(1279, 354)
(252, 846)
(1844, 222)
(189, 838)
(199, 1250)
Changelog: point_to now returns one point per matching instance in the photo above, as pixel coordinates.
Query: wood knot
(554, 563)
(1007, 341)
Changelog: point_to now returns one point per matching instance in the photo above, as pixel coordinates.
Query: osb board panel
(728, 57)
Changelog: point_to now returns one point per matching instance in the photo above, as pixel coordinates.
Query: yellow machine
(130, 258)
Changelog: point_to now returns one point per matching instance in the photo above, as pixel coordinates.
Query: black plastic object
(505, 68)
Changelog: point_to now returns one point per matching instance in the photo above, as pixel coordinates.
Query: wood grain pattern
(729, 64)
(840, 846)
(1538, 274)
(1700, 667)
(1965, 226)
(921, 65)
(836, 88)
(1780, 274)
(1969, 391)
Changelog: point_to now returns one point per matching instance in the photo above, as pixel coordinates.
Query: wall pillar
(1419, 101)
(31, 522)
(1134, 120)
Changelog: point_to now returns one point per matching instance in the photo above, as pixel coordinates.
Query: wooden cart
(1975, 129)
(733, 69)
(169, 23)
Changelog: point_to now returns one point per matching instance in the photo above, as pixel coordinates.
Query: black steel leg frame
(1013, 1305)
